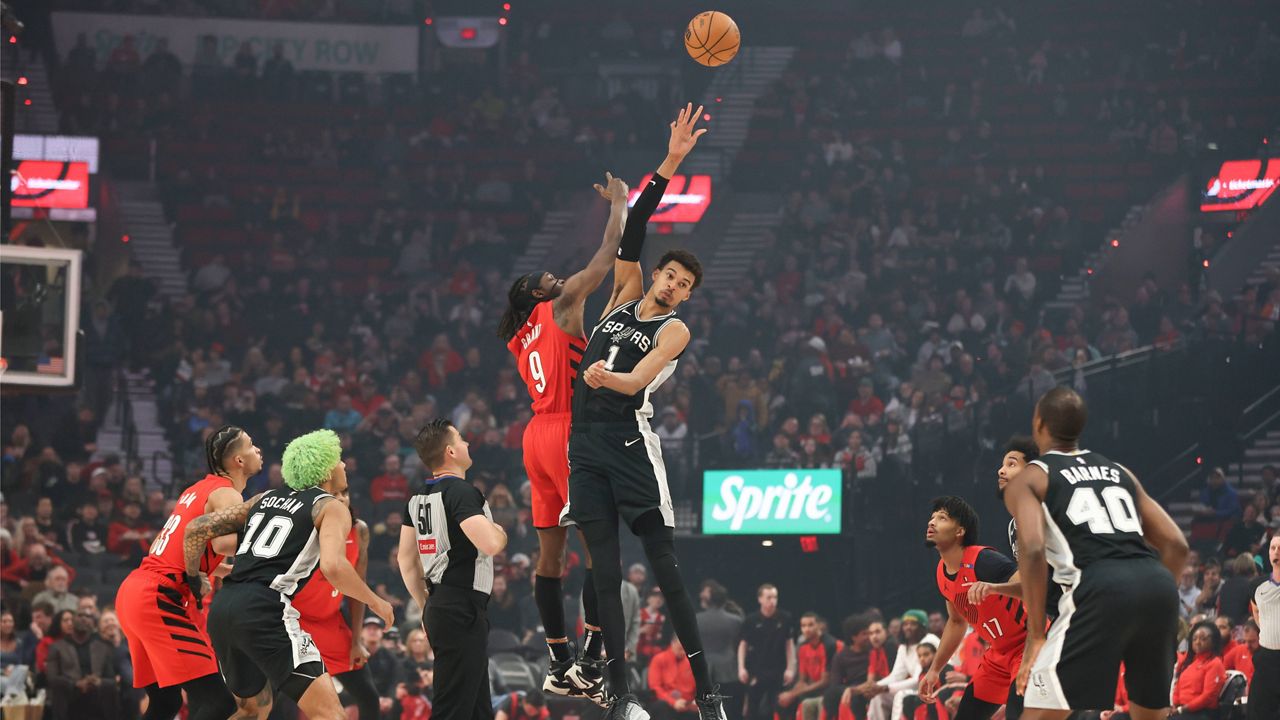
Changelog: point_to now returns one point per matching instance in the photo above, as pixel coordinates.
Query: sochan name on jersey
(1092, 472)
(787, 501)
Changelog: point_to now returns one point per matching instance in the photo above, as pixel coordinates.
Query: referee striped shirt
(1267, 598)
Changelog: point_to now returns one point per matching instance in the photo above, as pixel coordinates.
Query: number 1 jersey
(1091, 513)
(548, 360)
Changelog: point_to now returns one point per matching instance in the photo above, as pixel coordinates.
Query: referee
(447, 543)
(1264, 694)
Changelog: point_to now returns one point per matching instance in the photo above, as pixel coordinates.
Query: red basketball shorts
(167, 638)
(332, 636)
(996, 673)
(546, 461)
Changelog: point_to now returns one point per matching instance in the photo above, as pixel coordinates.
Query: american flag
(50, 365)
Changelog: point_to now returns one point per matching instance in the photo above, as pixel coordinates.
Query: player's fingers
(699, 133)
(694, 120)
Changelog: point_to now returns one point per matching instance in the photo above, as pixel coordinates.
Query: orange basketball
(712, 38)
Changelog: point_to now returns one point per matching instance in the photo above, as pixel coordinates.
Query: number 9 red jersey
(547, 358)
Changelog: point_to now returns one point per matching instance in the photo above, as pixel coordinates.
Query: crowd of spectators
(888, 329)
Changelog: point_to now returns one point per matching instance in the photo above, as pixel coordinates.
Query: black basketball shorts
(256, 635)
(1120, 611)
(616, 468)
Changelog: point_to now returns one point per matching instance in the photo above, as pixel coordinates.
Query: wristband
(638, 220)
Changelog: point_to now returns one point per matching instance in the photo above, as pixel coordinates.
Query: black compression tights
(359, 685)
(659, 549)
(207, 699)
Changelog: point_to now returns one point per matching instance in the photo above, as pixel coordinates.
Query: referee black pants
(458, 627)
(1264, 691)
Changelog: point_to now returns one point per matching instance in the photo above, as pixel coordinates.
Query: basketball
(712, 38)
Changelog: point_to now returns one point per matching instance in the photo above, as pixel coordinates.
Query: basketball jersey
(448, 556)
(166, 554)
(621, 340)
(547, 358)
(319, 598)
(280, 544)
(1000, 619)
(1091, 513)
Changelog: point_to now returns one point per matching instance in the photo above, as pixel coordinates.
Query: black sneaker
(556, 683)
(587, 678)
(625, 707)
(711, 705)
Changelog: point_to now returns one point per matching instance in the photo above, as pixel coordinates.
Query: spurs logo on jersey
(621, 340)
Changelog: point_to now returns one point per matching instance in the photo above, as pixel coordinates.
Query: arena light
(766, 543)
(1206, 264)
(22, 81)
(124, 238)
(502, 21)
(1115, 243)
(468, 33)
(427, 21)
(506, 7)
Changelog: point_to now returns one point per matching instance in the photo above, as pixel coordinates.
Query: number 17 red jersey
(547, 358)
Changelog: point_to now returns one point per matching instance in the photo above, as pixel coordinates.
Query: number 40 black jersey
(1091, 513)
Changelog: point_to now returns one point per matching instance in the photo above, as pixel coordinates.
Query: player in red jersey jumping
(160, 614)
(319, 605)
(979, 584)
(543, 330)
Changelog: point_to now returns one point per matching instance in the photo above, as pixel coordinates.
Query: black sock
(606, 557)
(660, 549)
(549, 597)
(592, 641)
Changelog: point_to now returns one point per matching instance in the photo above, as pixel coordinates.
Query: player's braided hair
(217, 444)
(520, 303)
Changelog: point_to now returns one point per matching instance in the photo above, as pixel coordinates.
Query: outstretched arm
(568, 307)
(1023, 498)
(333, 521)
(209, 526)
(1160, 531)
(628, 281)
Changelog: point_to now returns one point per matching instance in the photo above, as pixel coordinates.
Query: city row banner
(309, 46)
(771, 502)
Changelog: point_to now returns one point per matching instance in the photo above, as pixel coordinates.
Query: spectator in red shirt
(128, 536)
(1230, 647)
(369, 399)
(671, 680)
(1243, 660)
(866, 403)
(413, 705)
(813, 660)
(440, 361)
(36, 562)
(391, 487)
(1200, 676)
(652, 626)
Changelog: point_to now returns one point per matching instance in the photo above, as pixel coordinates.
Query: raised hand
(683, 134)
(614, 190)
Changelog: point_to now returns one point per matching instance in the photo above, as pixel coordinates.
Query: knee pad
(300, 679)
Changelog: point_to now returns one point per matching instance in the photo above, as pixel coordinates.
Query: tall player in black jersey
(615, 459)
(287, 533)
(1115, 552)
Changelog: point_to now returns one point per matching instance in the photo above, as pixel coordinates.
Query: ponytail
(520, 304)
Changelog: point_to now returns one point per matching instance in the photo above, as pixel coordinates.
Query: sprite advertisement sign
(771, 502)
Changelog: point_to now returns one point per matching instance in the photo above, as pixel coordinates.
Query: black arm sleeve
(638, 220)
(462, 501)
(993, 566)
